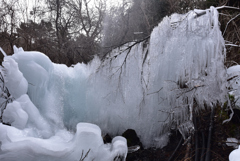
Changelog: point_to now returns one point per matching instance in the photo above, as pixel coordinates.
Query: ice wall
(150, 86)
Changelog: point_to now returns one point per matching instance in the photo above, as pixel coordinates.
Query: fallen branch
(232, 45)
(228, 8)
(203, 12)
(229, 22)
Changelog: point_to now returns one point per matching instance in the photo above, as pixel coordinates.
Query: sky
(114, 2)
(24, 8)
(27, 6)
(30, 3)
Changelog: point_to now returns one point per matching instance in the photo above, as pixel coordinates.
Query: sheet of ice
(149, 87)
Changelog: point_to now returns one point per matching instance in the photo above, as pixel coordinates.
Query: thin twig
(231, 115)
(229, 22)
(218, 8)
(189, 90)
(83, 157)
(155, 92)
(134, 43)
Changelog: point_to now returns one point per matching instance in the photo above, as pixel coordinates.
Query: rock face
(107, 139)
(236, 116)
(132, 138)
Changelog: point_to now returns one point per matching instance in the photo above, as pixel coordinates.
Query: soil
(219, 151)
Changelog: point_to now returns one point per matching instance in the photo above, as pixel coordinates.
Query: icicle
(17, 50)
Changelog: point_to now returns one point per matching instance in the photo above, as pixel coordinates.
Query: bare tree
(8, 24)
(77, 23)
(132, 21)
(89, 17)
(116, 26)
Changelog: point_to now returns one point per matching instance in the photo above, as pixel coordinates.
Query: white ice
(37, 131)
(232, 142)
(235, 155)
(234, 83)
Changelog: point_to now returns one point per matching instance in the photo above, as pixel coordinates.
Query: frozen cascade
(149, 86)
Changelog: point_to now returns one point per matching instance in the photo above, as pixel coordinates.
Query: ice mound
(87, 143)
(37, 132)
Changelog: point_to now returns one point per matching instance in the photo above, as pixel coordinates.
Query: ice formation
(37, 131)
(234, 83)
(151, 87)
(235, 155)
(232, 142)
(234, 86)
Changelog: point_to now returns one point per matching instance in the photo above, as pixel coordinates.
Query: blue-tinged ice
(39, 109)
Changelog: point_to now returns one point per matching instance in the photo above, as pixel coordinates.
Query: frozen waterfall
(150, 86)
